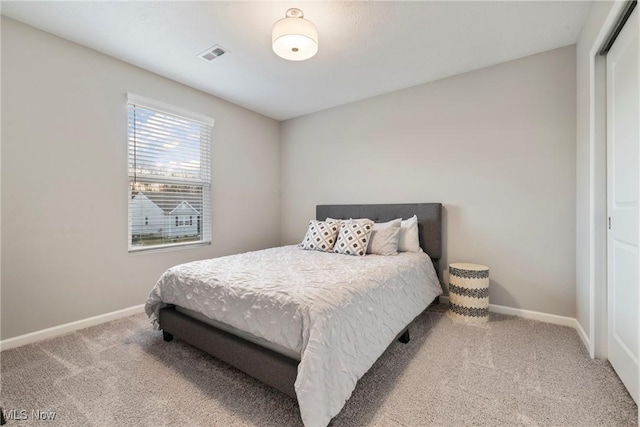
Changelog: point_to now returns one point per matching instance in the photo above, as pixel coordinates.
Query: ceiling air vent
(212, 53)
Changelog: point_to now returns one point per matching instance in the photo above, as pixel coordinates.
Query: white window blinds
(169, 175)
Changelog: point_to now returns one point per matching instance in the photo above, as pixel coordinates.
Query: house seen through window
(169, 175)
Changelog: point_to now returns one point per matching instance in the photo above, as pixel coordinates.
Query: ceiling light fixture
(294, 38)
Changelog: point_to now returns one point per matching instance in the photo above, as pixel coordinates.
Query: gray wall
(496, 146)
(64, 181)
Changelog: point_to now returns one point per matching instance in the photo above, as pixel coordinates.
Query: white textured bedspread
(339, 312)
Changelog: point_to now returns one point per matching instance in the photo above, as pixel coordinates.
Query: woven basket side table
(469, 292)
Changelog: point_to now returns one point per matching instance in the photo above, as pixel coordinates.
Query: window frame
(205, 183)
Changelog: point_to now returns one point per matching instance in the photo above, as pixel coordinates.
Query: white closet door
(623, 191)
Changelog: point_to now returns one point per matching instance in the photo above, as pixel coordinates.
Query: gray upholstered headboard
(429, 220)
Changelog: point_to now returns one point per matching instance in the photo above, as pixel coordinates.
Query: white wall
(64, 181)
(496, 146)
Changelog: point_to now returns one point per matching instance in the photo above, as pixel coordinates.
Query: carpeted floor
(510, 372)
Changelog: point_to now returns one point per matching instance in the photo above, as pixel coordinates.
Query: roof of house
(184, 208)
(170, 199)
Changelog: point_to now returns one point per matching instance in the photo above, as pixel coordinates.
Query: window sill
(167, 248)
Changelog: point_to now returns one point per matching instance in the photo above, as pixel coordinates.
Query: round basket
(469, 292)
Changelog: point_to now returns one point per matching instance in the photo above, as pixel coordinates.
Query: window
(182, 222)
(169, 175)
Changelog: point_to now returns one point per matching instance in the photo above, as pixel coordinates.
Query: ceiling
(365, 48)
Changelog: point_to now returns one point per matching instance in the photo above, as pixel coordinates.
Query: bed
(334, 314)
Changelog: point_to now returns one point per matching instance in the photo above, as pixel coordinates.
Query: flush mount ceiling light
(294, 38)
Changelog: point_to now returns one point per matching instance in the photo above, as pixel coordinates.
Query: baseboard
(56, 331)
(533, 315)
(583, 336)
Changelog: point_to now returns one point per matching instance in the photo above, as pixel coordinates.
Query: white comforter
(339, 312)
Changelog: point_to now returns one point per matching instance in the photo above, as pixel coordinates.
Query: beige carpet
(510, 372)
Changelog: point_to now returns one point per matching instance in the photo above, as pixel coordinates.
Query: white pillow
(321, 236)
(339, 221)
(353, 237)
(384, 238)
(409, 240)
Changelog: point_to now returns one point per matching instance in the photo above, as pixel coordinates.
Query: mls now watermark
(26, 415)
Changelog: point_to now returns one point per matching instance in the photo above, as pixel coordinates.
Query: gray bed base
(266, 365)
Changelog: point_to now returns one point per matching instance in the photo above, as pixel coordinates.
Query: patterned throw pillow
(353, 238)
(321, 236)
